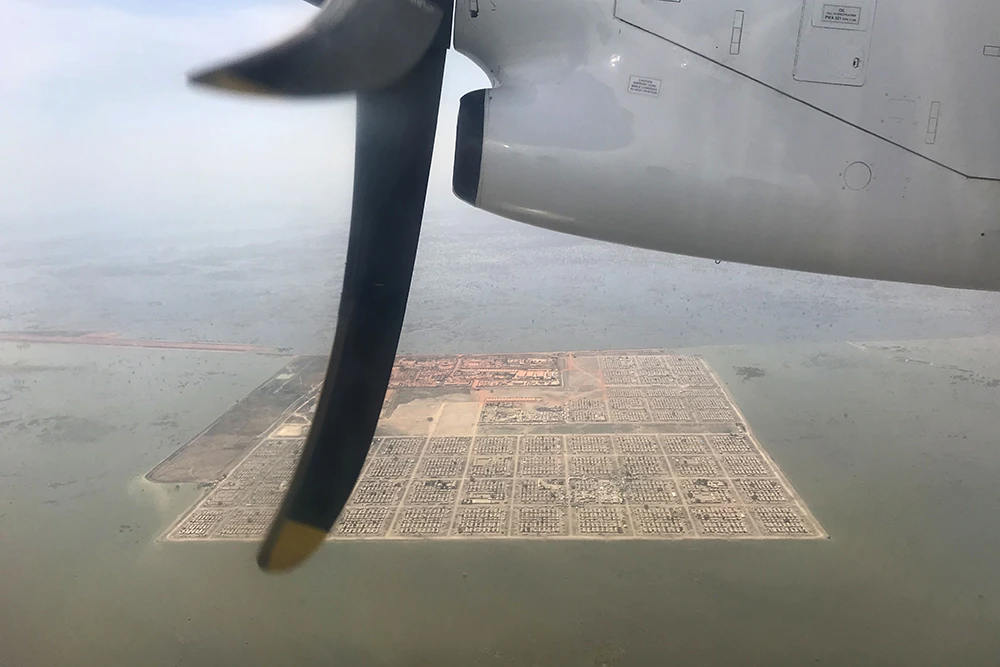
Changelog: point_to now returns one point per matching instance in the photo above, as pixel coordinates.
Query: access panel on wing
(923, 74)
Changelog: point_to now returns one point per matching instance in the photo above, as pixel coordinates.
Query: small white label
(841, 15)
(641, 85)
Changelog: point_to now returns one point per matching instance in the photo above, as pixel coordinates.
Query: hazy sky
(100, 127)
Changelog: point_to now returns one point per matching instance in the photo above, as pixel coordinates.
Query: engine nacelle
(603, 129)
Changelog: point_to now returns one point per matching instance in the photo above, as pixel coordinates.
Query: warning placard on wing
(642, 85)
(841, 15)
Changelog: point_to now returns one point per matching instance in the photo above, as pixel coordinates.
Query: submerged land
(576, 445)
(890, 439)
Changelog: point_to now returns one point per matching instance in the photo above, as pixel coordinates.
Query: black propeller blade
(396, 125)
(350, 46)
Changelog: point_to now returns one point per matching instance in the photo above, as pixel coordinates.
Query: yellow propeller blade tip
(231, 81)
(289, 544)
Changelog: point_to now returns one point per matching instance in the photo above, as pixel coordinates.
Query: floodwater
(893, 445)
(481, 284)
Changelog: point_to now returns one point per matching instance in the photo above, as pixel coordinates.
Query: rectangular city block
(608, 446)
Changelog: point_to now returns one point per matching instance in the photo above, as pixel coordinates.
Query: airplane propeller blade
(396, 124)
(392, 54)
(350, 46)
